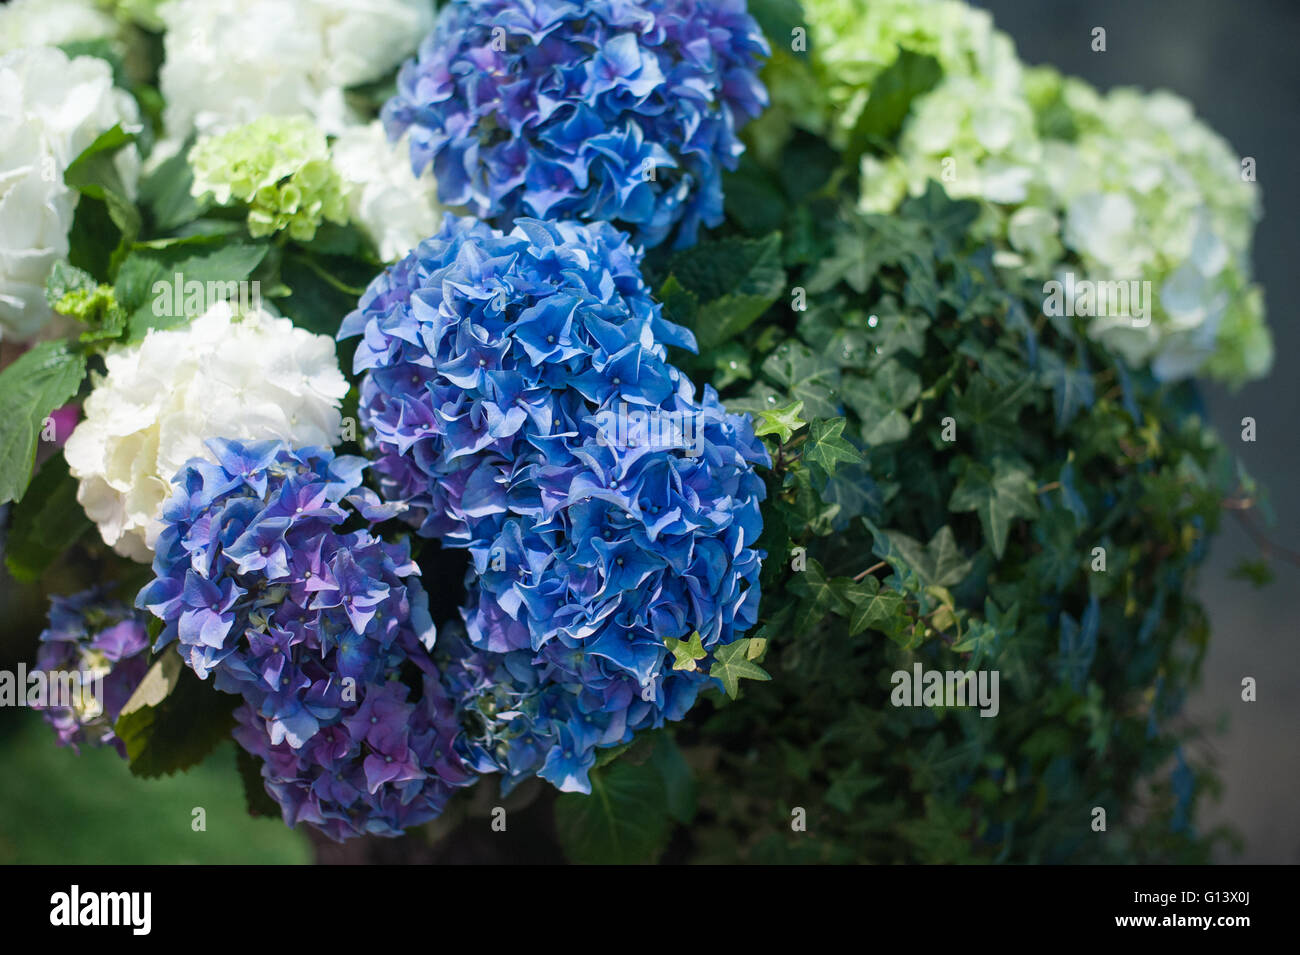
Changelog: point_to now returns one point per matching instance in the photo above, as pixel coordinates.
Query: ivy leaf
(39, 381)
(1078, 645)
(1071, 386)
(734, 281)
(998, 497)
(939, 563)
(782, 422)
(876, 608)
(46, 523)
(826, 446)
(731, 664)
(804, 376)
(880, 400)
(686, 652)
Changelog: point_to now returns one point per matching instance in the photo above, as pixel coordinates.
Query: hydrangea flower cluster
(855, 41)
(230, 61)
(103, 646)
(240, 376)
(388, 764)
(280, 166)
(396, 208)
(617, 110)
(518, 397)
(1122, 187)
(261, 587)
(51, 109)
(29, 23)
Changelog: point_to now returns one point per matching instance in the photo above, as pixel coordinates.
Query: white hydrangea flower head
(29, 23)
(225, 375)
(228, 62)
(51, 109)
(1126, 186)
(395, 208)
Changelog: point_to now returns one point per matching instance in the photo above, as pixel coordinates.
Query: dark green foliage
(962, 458)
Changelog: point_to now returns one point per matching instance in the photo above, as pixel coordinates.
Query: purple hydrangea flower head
(96, 651)
(518, 397)
(262, 588)
(618, 110)
(390, 763)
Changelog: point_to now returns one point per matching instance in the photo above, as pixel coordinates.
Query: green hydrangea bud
(280, 167)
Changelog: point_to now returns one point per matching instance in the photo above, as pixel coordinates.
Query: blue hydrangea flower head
(617, 110)
(518, 397)
(262, 588)
(97, 651)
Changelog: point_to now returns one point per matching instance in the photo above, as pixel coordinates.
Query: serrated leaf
(180, 731)
(686, 652)
(46, 522)
(998, 497)
(731, 664)
(623, 821)
(782, 422)
(826, 446)
(803, 376)
(734, 280)
(216, 269)
(38, 382)
(157, 684)
(876, 608)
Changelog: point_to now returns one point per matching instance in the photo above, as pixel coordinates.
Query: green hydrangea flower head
(280, 167)
(853, 41)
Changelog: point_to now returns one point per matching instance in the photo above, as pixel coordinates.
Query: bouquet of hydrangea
(604, 402)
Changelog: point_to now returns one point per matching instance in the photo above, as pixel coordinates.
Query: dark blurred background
(1236, 61)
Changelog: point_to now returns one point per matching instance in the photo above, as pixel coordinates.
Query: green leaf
(881, 401)
(826, 447)
(892, 93)
(37, 383)
(876, 608)
(624, 820)
(734, 280)
(678, 781)
(731, 664)
(939, 563)
(782, 422)
(256, 799)
(46, 522)
(166, 193)
(147, 281)
(94, 173)
(686, 652)
(179, 731)
(157, 684)
(998, 497)
(803, 376)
